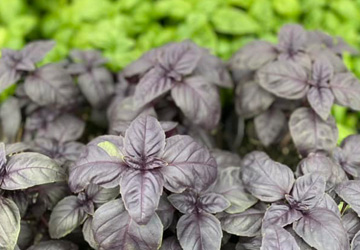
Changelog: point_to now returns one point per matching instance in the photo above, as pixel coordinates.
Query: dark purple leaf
(269, 125)
(246, 223)
(54, 245)
(65, 128)
(121, 232)
(67, 215)
(10, 223)
(280, 215)
(309, 189)
(321, 101)
(10, 118)
(141, 191)
(284, 79)
(351, 222)
(328, 203)
(179, 58)
(251, 99)
(292, 38)
(184, 202)
(30, 169)
(50, 85)
(322, 229)
(266, 179)
(310, 133)
(97, 85)
(36, 51)
(355, 243)
(88, 233)
(198, 100)
(101, 195)
(349, 191)
(170, 243)
(348, 156)
(346, 89)
(154, 84)
(100, 165)
(248, 56)
(213, 203)
(165, 211)
(247, 243)
(144, 142)
(200, 231)
(327, 167)
(26, 235)
(231, 187)
(277, 238)
(189, 165)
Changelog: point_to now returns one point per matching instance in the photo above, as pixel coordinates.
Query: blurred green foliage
(124, 29)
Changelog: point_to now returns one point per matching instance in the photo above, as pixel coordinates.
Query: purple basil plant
(150, 158)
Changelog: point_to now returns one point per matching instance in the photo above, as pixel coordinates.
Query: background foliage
(125, 29)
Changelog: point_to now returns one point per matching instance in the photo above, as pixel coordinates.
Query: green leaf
(344, 132)
(287, 8)
(234, 21)
(10, 224)
(110, 149)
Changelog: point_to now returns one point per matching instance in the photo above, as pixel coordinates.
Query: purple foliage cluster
(156, 157)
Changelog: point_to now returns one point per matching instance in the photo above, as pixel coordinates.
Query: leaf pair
(142, 163)
(198, 228)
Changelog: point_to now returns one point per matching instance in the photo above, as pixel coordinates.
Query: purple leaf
(328, 203)
(96, 165)
(88, 58)
(349, 191)
(88, 233)
(231, 187)
(101, 195)
(8, 75)
(226, 159)
(248, 56)
(284, 79)
(184, 202)
(122, 232)
(266, 179)
(199, 101)
(170, 243)
(351, 222)
(355, 243)
(2, 156)
(251, 99)
(143, 64)
(97, 85)
(346, 89)
(348, 156)
(310, 133)
(309, 189)
(165, 211)
(213, 203)
(30, 169)
(292, 38)
(200, 231)
(10, 223)
(10, 119)
(280, 215)
(246, 223)
(67, 215)
(327, 167)
(321, 101)
(154, 84)
(144, 142)
(141, 191)
(65, 128)
(277, 238)
(16, 147)
(269, 125)
(180, 58)
(50, 85)
(54, 244)
(322, 72)
(322, 229)
(189, 165)
(36, 51)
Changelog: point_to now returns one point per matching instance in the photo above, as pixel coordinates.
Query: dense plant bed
(164, 155)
